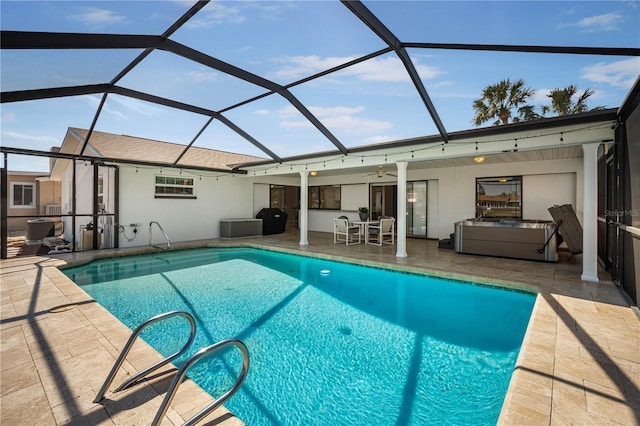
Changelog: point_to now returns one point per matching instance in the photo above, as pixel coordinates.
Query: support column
(4, 212)
(304, 208)
(402, 210)
(590, 213)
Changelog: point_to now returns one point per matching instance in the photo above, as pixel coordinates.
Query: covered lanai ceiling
(288, 80)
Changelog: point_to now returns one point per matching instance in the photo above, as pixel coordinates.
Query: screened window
(324, 197)
(174, 187)
(101, 191)
(499, 197)
(23, 195)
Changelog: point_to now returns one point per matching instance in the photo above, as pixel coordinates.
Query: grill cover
(274, 220)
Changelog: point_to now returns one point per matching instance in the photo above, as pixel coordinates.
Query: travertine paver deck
(579, 364)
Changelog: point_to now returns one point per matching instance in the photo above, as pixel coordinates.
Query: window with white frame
(23, 194)
(174, 187)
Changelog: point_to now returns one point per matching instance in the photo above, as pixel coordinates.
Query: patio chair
(345, 232)
(383, 233)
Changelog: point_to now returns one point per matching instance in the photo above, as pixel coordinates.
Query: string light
(413, 152)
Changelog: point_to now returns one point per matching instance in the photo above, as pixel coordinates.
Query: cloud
(338, 117)
(39, 139)
(301, 66)
(540, 96)
(94, 15)
(389, 69)
(378, 139)
(215, 14)
(121, 106)
(619, 74)
(8, 117)
(605, 22)
(200, 76)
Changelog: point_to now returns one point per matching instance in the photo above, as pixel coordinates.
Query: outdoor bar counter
(519, 239)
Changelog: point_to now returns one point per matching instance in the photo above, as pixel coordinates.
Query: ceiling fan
(380, 172)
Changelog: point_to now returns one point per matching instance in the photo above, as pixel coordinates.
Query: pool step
(181, 373)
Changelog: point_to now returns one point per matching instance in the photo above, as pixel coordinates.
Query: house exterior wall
(49, 193)
(182, 219)
(46, 192)
(545, 183)
(451, 198)
(84, 192)
(451, 191)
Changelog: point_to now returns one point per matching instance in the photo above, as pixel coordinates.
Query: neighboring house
(30, 194)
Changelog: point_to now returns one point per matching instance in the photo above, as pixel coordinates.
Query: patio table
(364, 227)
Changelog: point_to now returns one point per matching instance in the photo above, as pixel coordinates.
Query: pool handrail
(188, 364)
(163, 233)
(129, 344)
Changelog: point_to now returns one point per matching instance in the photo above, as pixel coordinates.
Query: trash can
(37, 229)
(274, 220)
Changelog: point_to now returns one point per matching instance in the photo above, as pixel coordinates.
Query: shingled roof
(112, 146)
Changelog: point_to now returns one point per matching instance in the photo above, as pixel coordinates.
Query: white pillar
(402, 210)
(590, 213)
(304, 208)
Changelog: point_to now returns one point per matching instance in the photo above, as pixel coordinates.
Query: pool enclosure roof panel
(278, 80)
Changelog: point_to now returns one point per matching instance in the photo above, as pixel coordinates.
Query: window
(324, 197)
(101, 192)
(23, 195)
(174, 187)
(499, 197)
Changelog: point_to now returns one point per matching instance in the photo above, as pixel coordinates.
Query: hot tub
(37, 229)
(518, 239)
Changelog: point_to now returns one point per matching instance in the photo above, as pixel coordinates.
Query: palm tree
(498, 101)
(562, 101)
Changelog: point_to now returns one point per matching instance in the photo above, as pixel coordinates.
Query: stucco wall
(451, 191)
(451, 197)
(181, 219)
(544, 183)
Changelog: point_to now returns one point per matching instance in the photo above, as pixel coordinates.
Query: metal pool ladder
(181, 373)
(163, 233)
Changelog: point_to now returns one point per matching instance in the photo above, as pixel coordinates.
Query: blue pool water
(330, 343)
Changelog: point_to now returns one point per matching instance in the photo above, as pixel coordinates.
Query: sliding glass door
(417, 209)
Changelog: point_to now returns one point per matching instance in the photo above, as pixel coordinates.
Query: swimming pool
(330, 342)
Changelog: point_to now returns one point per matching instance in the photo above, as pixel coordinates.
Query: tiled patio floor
(579, 364)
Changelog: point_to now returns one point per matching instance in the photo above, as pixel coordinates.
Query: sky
(286, 41)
